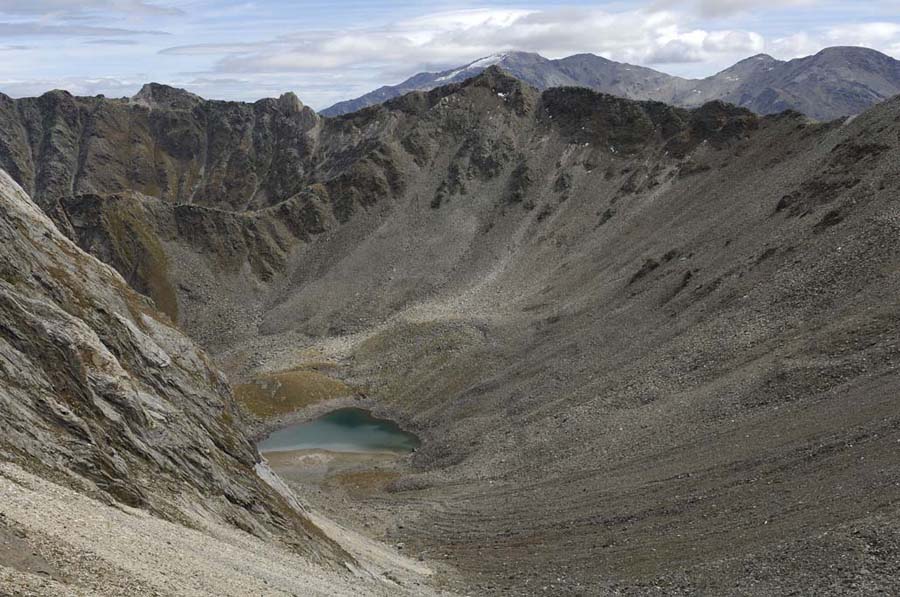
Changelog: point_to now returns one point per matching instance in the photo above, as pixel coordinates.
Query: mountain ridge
(847, 80)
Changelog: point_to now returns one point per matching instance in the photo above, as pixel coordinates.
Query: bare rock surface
(100, 550)
(163, 142)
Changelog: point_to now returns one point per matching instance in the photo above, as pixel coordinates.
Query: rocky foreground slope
(124, 465)
(649, 349)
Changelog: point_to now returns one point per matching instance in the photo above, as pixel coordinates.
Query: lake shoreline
(347, 429)
(259, 428)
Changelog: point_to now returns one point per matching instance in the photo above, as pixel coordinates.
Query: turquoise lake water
(342, 430)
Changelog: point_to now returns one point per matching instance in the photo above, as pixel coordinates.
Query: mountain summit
(835, 82)
(157, 95)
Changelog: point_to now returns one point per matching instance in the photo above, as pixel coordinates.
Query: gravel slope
(95, 549)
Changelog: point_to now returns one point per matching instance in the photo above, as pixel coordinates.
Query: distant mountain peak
(856, 55)
(291, 102)
(752, 64)
(848, 80)
(475, 66)
(158, 95)
(498, 79)
(844, 50)
(495, 72)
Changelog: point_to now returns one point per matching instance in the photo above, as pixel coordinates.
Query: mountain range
(835, 82)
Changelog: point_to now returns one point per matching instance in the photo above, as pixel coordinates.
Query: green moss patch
(285, 392)
(143, 261)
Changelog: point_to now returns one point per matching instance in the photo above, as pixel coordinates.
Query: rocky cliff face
(100, 392)
(203, 263)
(164, 142)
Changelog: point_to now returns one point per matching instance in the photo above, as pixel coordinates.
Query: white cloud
(112, 42)
(864, 34)
(451, 38)
(699, 45)
(725, 8)
(675, 51)
(883, 36)
(212, 49)
(37, 29)
(73, 7)
(249, 49)
(78, 18)
(733, 42)
(75, 85)
(794, 46)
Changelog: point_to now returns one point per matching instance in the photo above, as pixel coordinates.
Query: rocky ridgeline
(163, 142)
(243, 188)
(835, 82)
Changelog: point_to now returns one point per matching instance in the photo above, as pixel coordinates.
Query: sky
(330, 50)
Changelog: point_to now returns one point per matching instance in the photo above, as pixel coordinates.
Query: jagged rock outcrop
(164, 142)
(194, 260)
